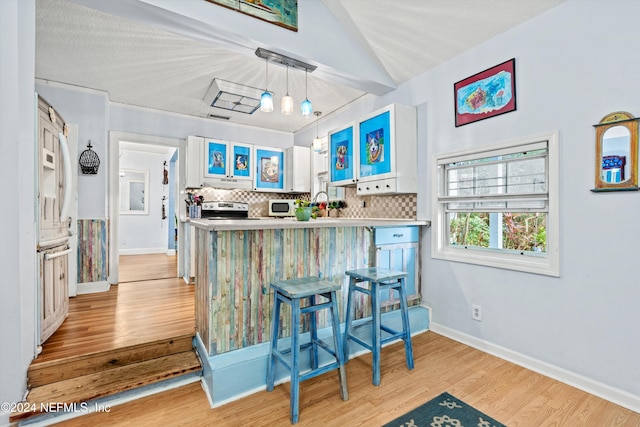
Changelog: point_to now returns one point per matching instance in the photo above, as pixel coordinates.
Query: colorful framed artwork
(279, 12)
(342, 155)
(242, 160)
(270, 165)
(375, 145)
(216, 159)
(486, 94)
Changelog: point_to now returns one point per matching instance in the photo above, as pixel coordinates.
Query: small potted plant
(334, 207)
(318, 209)
(303, 210)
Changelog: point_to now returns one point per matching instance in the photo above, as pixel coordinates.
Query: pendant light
(317, 142)
(306, 104)
(286, 107)
(266, 100)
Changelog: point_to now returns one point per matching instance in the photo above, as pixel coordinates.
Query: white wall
(141, 234)
(17, 221)
(574, 65)
(146, 121)
(571, 71)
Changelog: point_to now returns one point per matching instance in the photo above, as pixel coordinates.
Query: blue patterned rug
(444, 411)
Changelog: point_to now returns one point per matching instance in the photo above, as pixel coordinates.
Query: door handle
(47, 257)
(66, 161)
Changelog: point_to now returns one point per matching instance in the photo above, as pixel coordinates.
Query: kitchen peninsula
(237, 260)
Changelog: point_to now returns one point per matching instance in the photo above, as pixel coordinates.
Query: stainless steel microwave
(282, 207)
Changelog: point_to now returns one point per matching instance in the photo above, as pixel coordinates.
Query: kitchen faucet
(315, 199)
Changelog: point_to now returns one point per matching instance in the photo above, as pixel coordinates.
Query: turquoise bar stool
(380, 279)
(292, 292)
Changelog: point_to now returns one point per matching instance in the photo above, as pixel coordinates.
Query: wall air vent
(218, 117)
(233, 96)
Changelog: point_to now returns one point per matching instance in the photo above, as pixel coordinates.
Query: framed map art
(486, 94)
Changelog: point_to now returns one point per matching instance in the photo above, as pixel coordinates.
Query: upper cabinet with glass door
(269, 169)
(383, 155)
(228, 164)
(343, 156)
(616, 153)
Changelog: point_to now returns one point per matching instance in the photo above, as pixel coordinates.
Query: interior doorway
(143, 222)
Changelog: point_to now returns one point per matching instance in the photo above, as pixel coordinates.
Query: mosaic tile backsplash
(401, 206)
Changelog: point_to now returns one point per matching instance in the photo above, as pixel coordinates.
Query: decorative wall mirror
(134, 192)
(617, 153)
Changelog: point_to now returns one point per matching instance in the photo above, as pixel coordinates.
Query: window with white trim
(498, 206)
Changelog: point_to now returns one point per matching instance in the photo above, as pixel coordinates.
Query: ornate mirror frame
(616, 167)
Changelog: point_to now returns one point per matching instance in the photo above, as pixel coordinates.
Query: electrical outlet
(476, 312)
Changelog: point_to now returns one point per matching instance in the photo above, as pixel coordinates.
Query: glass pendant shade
(317, 144)
(287, 105)
(306, 108)
(266, 102)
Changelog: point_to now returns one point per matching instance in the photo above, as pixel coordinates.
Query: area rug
(444, 411)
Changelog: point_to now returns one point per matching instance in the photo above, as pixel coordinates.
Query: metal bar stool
(380, 279)
(292, 292)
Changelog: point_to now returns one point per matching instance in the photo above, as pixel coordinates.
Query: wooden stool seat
(292, 292)
(380, 279)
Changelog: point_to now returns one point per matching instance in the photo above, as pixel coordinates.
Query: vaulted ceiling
(164, 54)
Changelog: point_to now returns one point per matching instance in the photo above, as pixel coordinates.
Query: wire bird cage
(89, 161)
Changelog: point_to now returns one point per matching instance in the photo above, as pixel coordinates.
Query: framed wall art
(279, 12)
(486, 94)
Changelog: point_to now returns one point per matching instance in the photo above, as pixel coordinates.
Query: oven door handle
(54, 255)
(66, 161)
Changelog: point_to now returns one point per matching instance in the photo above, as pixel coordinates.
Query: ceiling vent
(233, 96)
(218, 117)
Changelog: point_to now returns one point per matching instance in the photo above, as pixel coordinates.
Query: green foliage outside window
(520, 231)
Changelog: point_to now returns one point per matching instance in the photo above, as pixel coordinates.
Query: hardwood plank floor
(134, 268)
(129, 313)
(513, 395)
(142, 311)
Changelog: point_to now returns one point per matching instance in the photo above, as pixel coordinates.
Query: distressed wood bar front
(236, 261)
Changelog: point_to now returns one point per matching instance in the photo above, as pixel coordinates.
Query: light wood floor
(513, 395)
(129, 313)
(134, 268)
(142, 311)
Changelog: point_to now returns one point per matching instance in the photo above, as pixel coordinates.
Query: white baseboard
(171, 252)
(142, 251)
(92, 287)
(612, 394)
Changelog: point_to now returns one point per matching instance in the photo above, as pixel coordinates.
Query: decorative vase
(303, 214)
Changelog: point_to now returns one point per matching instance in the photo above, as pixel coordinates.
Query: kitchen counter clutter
(286, 223)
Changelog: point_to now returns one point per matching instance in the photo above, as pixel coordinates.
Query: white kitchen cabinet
(269, 175)
(194, 177)
(54, 290)
(227, 164)
(378, 153)
(297, 169)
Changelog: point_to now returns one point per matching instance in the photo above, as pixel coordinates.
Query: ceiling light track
(287, 61)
